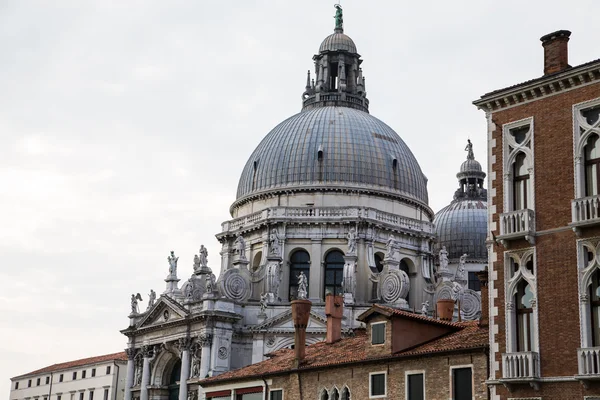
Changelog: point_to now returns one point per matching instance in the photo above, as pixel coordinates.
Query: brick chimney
(300, 316)
(484, 320)
(445, 309)
(334, 309)
(556, 51)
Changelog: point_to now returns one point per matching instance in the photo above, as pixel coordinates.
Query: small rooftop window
(378, 333)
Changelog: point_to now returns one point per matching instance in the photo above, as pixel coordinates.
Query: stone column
(147, 353)
(184, 346)
(130, 372)
(316, 280)
(205, 342)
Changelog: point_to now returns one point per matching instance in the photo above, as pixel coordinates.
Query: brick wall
(556, 266)
(356, 378)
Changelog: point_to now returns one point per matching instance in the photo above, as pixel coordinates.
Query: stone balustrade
(589, 361)
(329, 214)
(522, 365)
(586, 210)
(517, 224)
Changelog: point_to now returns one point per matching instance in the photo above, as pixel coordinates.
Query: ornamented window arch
(588, 256)
(334, 270)
(522, 333)
(345, 393)
(324, 395)
(299, 261)
(518, 165)
(586, 127)
(335, 394)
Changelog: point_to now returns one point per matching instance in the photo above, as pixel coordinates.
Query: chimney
(484, 320)
(445, 309)
(334, 309)
(556, 51)
(300, 316)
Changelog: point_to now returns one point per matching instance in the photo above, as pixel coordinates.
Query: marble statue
(460, 271)
(172, 264)
(203, 256)
(425, 307)
(274, 248)
(390, 246)
(210, 283)
(189, 288)
(138, 374)
(302, 286)
(134, 303)
(273, 278)
(264, 300)
(443, 259)
(351, 241)
(349, 277)
(240, 246)
(196, 263)
(469, 149)
(151, 299)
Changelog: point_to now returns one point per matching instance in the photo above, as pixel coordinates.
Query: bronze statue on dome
(339, 17)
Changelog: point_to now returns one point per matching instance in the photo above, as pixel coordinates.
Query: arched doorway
(174, 381)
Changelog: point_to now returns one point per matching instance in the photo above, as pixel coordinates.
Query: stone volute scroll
(395, 284)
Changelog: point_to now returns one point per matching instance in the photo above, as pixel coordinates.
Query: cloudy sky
(124, 126)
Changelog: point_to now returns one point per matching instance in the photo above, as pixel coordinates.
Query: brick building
(544, 223)
(93, 378)
(400, 355)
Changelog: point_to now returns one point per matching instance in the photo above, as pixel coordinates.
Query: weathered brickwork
(555, 242)
(309, 384)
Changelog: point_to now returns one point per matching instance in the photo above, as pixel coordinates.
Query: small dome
(336, 42)
(462, 228)
(333, 147)
(470, 166)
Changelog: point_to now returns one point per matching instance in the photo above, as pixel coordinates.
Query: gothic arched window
(334, 269)
(524, 325)
(346, 394)
(299, 262)
(520, 183)
(595, 308)
(592, 165)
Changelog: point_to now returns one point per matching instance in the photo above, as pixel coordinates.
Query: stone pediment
(166, 310)
(282, 323)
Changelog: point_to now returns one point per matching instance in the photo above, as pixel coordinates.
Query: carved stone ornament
(510, 305)
(184, 343)
(395, 285)
(235, 284)
(533, 302)
(270, 341)
(584, 298)
(223, 353)
(470, 305)
(205, 339)
(147, 351)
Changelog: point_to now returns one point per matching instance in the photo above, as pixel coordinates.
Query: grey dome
(470, 166)
(338, 41)
(462, 228)
(333, 147)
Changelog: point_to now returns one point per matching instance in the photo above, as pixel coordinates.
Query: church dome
(461, 226)
(338, 42)
(332, 147)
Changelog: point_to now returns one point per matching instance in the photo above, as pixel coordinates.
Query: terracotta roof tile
(412, 315)
(77, 363)
(352, 350)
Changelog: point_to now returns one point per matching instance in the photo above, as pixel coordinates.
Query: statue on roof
(339, 17)
(172, 259)
(469, 149)
(151, 299)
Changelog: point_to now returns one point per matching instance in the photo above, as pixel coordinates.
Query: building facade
(400, 355)
(544, 227)
(94, 378)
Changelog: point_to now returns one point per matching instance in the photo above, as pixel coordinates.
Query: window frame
(74, 375)
(108, 369)
(294, 271)
(414, 372)
(337, 272)
(276, 390)
(373, 324)
(16, 385)
(511, 149)
(61, 378)
(451, 373)
(579, 143)
(377, 396)
(83, 374)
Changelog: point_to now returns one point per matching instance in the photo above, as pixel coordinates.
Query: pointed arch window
(592, 165)
(594, 295)
(334, 269)
(346, 393)
(299, 262)
(523, 299)
(520, 183)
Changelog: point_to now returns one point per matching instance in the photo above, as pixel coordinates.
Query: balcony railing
(585, 211)
(589, 361)
(327, 213)
(518, 224)
(521, 366)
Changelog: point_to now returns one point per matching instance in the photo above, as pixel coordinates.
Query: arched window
(404, 267)
(524, 325)
(520, 183)
(379, 262)
(299, 261)
(335, 395)
(256, 261)
(592, 165)
(346, 394)
(595, 308)
(324, 395)
(334, 269)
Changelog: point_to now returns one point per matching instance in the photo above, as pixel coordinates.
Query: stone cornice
(546, 86)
